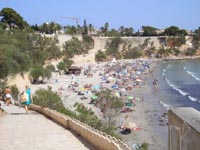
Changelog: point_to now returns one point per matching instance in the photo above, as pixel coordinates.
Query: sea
(179, 83)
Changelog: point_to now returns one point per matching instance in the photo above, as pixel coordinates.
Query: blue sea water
(179, 83)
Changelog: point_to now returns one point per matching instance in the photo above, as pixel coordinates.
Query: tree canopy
(174, 31)
(12, 18)
(149, 31)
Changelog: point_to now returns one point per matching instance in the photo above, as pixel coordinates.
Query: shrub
(48, 98)
(132, 54)
(190, 52)
(100, 56)
(62, 66)
(73, 47)
(196, 41)
(38, 74)
(68, 62)
(176, 51)
(173, 42)
(112, 47)
(14, 91)
(51, 67)
(88, 42)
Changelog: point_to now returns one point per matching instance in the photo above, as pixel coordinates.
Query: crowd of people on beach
(121, 77)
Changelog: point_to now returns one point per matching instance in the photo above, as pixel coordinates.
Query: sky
(161, 14)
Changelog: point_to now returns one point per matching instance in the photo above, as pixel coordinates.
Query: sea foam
(165, 105)
(191, 74)
(174, 87)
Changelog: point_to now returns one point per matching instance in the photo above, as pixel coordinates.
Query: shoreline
(151, 116)
(180, 58)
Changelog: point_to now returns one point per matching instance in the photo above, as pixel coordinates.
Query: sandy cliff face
(19, 81)
(100, 42)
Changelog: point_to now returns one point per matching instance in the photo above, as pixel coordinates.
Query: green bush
(68, 62)
(88, 42)
(51, 67)
(100, 56)
(196, 41)
(190, 52)
(176, 51)
(14, 91)
(73, 47)
(132, 54)
(62, 66)
(38, 72)
(112, 47)
(87, 116)
(48, 98)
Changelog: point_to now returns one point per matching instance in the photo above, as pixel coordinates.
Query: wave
(165, 105)
(166, 68)
(174, 87)
(193, 98)
(163, 72)
(192, 74)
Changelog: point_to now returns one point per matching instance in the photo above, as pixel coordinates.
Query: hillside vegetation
(25, 48)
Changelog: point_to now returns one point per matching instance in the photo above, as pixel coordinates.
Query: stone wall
(98, 139)
(184, 129)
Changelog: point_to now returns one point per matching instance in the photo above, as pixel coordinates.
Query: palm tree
(129, 31)
(91, 28)
(121, 30)
(106, 26)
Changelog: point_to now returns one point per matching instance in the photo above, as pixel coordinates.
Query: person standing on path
(8, 95)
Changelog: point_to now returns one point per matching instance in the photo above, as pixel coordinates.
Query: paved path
(32, 131)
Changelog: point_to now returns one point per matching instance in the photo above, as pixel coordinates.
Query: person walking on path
(28, 91)
(155, 84)
(25, 98)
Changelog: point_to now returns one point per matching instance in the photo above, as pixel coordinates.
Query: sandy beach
(149, 115)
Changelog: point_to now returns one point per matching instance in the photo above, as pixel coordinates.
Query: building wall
(184, 129)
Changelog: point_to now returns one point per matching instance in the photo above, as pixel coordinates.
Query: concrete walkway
(32, 131)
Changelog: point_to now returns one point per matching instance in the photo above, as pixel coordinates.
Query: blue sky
(130, 13)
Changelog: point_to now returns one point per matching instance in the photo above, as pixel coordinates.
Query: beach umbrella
(130, 97)
(110, 79)
(123, 89)
(114, 86)
(138, 80)
(83, 89)
(94, 97)
(97, 87)
(129, 125)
